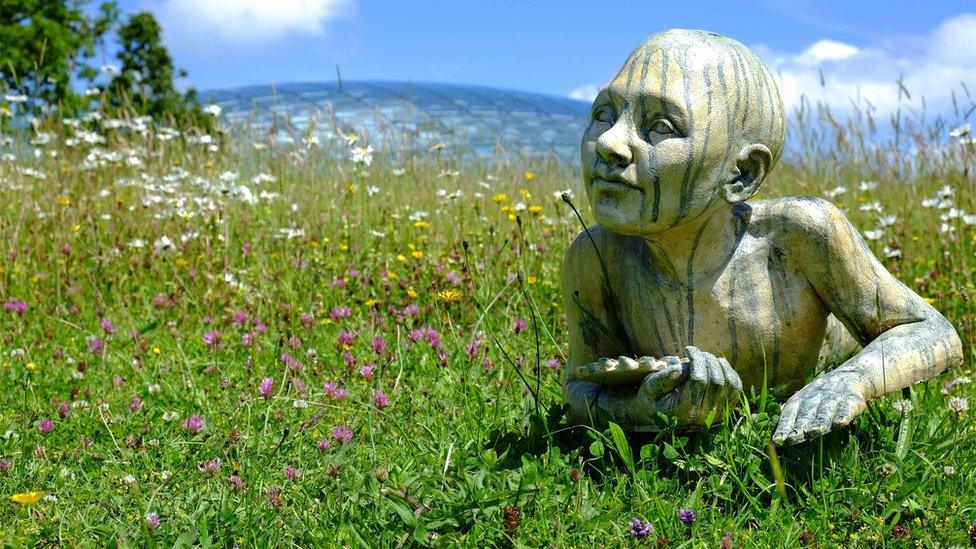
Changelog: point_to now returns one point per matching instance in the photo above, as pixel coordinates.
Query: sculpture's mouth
(613, 184)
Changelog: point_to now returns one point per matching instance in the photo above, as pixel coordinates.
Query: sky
(570, 47)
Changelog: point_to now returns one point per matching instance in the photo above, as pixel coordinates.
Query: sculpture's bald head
(703, 62)
(691, 116)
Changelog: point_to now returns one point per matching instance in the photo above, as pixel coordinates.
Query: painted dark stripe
(690, 283)
(689, 163)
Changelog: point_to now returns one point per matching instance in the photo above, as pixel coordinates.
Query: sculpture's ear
(751, 167)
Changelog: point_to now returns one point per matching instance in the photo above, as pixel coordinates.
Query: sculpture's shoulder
(796, 221)
(589, 242)
(589, 248)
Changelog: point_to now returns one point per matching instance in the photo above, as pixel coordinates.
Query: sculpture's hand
(692, 390)
(832, 400)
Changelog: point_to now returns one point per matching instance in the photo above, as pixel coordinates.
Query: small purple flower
(346, 340)
(308, 321)
(152, 521)
(45, 426)
(340, 312)
(108, 326)
(294, 342)
(367, 371)
(687, 516)
(16, 306)
(95, 345)
(342, 434)
(136, 403)
(63, 410)
(247, 339)
(473, 347)
(236, 482)
(333, 391)
(292, 474)
(267, 388)
(379, 345)
(194, 424)
(640, 528)
(274, 496)
(411, 310)
(211, 338)
(519, 326)
(453, 278)
(324, 444)
(293, 363)
(211, 466)
(5, 465)
(380, 399)
(240, 318)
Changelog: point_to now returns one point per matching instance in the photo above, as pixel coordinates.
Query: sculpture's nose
(613, 148)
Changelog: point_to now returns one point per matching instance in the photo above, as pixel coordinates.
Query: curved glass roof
(468, 119)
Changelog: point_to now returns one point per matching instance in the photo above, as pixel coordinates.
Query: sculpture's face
(661, 139)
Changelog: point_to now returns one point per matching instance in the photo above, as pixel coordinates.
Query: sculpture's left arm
(905, 340)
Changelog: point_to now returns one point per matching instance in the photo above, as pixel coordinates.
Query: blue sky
(566, 47)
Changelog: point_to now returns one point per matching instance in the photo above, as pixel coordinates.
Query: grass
(340, 272)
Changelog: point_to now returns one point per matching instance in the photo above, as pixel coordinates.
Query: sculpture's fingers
(808, 411)
(718, 391)
(824, 418)
(733, 381)
(626, 363)
(660, 383)
(695, 390)
(847, 410)
(787, 418)
(607, 363)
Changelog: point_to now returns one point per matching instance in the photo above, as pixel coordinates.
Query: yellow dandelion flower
(64, 201)
(182, 262)
(499, 198)
(448, 296)
(343, 246)
(421, 224)
(417, 254)
(75, 228)
(350, 188)
(412, 293)
(535, 208)
(157, 351)
(524, 192)
(531, 279)
(30, 366)
(529, 176)
(401, 258)
(370, 302)
(27, 498)
(930, 300)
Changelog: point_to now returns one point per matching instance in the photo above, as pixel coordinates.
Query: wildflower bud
(512, 517)
(464, 244)
(382, 475)
(152, 521)
(566, 198)
(574, 475)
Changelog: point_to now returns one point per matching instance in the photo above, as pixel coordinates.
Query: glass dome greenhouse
(410, 116)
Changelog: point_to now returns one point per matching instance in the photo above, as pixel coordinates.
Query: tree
(44, 43)
(145, 80)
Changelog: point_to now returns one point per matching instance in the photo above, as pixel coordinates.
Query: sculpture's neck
(696, 248)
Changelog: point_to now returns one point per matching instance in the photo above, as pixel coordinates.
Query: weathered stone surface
(682, 263)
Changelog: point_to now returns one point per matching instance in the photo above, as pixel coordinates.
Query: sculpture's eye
(661, 126)
(604, 114)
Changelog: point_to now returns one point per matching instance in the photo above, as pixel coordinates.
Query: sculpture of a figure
(682, 264)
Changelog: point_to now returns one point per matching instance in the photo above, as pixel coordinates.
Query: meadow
(282, 340)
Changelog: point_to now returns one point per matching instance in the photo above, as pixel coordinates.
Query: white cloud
(827, 50)
(931, 65)
(202, 23)
(585, 93)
